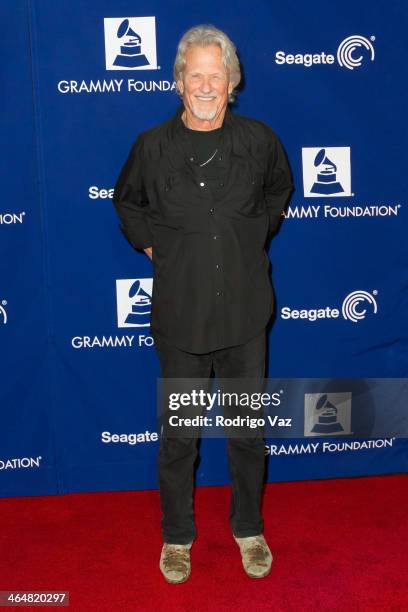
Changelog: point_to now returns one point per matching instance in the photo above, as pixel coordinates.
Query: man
(200, 194)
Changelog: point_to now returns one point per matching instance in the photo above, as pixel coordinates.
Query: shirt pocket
(171, 192)
(250, 192)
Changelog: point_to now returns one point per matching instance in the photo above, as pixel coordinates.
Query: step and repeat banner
(78, 369)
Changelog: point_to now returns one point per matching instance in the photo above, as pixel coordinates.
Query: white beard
(204, 115)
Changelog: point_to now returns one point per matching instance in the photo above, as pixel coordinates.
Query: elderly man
(201, 194)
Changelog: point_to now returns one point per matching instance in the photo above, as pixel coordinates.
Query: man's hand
(149, 252)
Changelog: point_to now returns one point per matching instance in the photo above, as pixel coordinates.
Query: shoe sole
(258, 575)
(177, 581)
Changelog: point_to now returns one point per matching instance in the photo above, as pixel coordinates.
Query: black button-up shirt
(207, 228)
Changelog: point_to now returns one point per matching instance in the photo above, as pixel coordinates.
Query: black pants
(177, 455)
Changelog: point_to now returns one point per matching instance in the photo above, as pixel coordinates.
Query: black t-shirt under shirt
(205, 143)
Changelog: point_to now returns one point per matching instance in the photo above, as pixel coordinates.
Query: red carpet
(338, 545)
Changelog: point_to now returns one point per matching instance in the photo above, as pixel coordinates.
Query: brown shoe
(175, 562)
(256, 555)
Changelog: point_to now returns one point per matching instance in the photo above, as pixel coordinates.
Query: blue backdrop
(77, 381)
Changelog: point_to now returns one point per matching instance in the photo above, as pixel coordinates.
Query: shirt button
(212, 210)
(191, 158)
(219, 293)
(215, 237)
(217, 266)
(221, 184)
(202, 184)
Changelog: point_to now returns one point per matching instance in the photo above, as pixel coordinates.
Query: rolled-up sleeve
(131, 201)
(278, 184)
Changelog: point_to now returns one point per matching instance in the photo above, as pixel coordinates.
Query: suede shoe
(256, 555)
(175, 562)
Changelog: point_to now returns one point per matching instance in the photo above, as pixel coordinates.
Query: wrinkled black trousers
(177, 456)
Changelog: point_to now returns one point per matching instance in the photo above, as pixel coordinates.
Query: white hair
(202, 36)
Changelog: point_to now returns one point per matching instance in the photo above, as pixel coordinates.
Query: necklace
(208, 160)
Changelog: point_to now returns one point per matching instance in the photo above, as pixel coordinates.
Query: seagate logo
(351, 307)
(355, 307)
(3, 312)
(351, 53)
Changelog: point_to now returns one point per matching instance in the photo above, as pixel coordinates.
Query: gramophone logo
(130, 43)
(326, 172)
(134, 301)
(327, 414)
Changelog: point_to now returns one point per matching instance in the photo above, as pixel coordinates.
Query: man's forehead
(209, 54)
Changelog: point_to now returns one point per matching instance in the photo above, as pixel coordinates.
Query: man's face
(205, 83)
